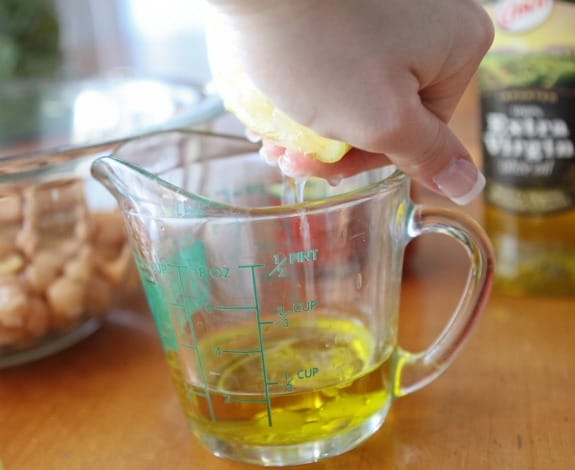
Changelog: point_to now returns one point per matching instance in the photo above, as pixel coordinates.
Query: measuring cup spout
(105, 170)
(142, 192)
(120, 178)
(136, 189)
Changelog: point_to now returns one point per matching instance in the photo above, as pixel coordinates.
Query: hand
(383, 75)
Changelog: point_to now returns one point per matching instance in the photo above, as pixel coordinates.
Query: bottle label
(527, 83)
(529, 148)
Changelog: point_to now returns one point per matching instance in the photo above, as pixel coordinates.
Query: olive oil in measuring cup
(320, 381)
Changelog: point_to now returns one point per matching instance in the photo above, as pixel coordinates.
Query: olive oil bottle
(527, 93)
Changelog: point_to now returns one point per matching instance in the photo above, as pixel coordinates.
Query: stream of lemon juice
(294, 191)
(319, 378)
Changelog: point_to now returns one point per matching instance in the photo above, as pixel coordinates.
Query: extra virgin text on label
(525, 135)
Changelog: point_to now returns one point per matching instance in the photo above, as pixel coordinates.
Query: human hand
(383, 75)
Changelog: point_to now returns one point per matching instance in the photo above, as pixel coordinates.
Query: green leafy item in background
(502, 70)
(29, 50)
(29, 39)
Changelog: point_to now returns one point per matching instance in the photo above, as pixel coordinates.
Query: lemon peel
(254, 110)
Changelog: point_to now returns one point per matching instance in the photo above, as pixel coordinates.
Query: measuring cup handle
(415, 370)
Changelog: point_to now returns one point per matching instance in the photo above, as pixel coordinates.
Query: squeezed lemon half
(243, 99)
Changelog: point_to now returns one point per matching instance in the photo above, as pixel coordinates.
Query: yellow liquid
(320, 381)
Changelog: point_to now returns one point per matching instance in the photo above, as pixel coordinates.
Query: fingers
(299, 165)
(430, 153)
(445, 167)
(413, 138)
(421, 144)
(425, 148)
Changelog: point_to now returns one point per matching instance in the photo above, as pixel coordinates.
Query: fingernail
(252, 136)
(289, 168)
(460, 181)
(269, 159)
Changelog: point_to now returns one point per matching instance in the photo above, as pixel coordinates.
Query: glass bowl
(64, 258)
(42, 115)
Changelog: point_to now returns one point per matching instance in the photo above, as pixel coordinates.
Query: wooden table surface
(507, 402)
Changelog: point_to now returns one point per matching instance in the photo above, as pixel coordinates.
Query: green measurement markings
(261, 349)
(189, 312)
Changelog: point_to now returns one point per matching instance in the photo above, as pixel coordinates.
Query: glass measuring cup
(279, 319)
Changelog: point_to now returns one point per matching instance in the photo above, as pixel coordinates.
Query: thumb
(426, 149)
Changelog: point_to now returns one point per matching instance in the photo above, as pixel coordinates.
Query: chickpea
(43, 270)
(67, 247)
(27, 241)
(11, 264)
(27, 238)
(80, 267)
(65, 297)
(10, 208)
(13, 303)
(6, 246)
(81, 230)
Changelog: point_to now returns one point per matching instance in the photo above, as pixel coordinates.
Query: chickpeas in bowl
(64, 257)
